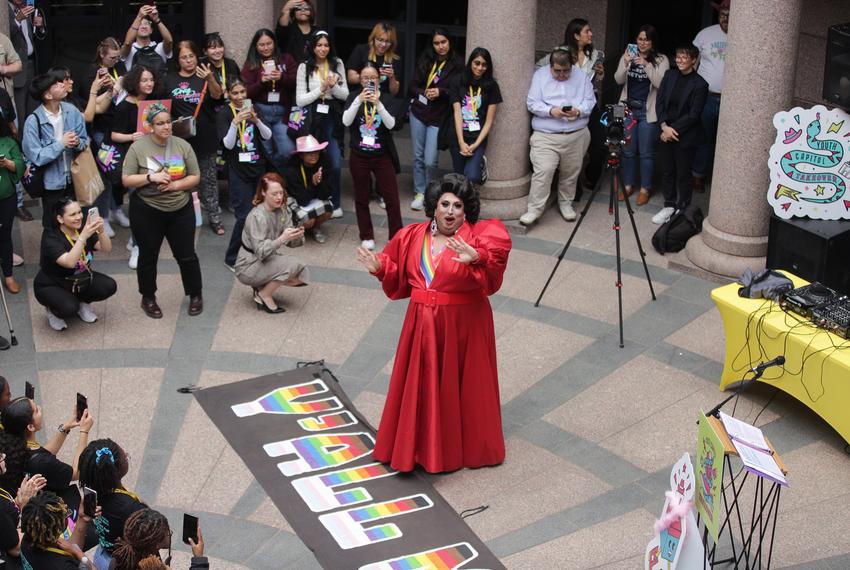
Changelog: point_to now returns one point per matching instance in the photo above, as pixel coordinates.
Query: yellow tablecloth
(815, 373)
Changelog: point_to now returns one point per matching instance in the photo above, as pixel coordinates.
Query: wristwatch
(61, 428)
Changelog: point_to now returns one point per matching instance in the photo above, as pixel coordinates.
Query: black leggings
(8, 206)
(150, 226)
(64, 304)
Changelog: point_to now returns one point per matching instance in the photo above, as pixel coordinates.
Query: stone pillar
(512, 47)
(760, 72)
(237, 22)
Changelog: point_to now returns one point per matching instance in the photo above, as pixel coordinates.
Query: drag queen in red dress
(442, 410)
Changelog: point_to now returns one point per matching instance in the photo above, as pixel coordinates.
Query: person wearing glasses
(163, 170)
(640, 73)
(295, 26)
(560, 99)
(380, 50)
(711, 43)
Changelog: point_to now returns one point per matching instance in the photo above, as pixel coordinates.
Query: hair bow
(104, 452)
(676, 510)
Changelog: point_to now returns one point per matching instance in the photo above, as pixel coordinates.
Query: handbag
(187, 127)
(80, 282)
(88, 184)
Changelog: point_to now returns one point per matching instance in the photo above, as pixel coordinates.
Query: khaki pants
(548, 153)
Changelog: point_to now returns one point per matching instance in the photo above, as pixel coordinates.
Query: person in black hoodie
(372, 152)
(679, 106)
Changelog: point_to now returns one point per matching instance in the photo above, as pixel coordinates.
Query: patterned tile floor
(591, 429)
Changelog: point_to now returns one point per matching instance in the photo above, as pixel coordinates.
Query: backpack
(148, 57)
(675, 233)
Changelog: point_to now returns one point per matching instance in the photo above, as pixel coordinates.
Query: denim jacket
(43, 150)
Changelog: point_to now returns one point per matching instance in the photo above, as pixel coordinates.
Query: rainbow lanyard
(83, 256)
(369, 117)
(426, 262)
(241, 128)
(435, 71)
(473, 101)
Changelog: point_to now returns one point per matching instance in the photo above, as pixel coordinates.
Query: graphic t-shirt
(54, 245)
(712, 56)
(147, 157)
(638, 83)
(245, 156)
(185, 93)
(474, 104)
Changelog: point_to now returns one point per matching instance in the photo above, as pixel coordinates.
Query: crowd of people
(45, 521)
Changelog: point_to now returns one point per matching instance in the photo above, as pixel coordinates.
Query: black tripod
(612, 166)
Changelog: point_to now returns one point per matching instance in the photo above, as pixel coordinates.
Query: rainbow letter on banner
(280, 401)
(444, 558)
(347, 526)
(320, 451)
(328, 421)
(317, 490)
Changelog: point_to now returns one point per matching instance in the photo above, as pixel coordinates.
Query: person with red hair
(261, 264)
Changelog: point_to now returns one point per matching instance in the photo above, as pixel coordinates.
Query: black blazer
(20, 45)
(688, 123)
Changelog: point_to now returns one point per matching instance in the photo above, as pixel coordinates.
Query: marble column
(237, 22)
(512, 47)
(760, 72)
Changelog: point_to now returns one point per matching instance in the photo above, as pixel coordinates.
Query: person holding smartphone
(242, 133)
(44, 522)
(146, 532)
(262, 264)
(381, 50)
(640, 74)
(295, 26)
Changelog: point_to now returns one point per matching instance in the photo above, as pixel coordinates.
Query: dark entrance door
(77, 26)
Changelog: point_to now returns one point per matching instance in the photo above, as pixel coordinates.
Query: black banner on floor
(311, 451)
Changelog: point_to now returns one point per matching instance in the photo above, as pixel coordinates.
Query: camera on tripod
(615, 137)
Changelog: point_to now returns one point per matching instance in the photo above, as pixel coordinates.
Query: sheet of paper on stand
(753, 449)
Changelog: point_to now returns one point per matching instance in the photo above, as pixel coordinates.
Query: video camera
(616, 124)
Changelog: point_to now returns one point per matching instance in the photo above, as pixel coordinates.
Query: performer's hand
(368, 260)
(466, 254)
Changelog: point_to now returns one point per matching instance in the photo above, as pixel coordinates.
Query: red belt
(431, 298)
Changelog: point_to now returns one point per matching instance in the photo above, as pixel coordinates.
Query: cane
(12, 338)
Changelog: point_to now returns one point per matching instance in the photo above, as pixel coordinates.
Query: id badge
(323, 108)
(423, 99)
(368, 141)
(473, 126)
(274, 97)
(246, 156)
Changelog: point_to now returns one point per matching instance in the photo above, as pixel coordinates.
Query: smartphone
(94, 213)
(190, 528)
(633, 50)
(29, 391)
(369, 86)
(102, 71)
(246, 104)
(566, 108)
(600, 57)
(82, 405)
(269, 65)
(89, 501)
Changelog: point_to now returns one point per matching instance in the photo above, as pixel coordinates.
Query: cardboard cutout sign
(809, 167)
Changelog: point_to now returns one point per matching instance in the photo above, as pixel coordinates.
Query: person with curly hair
(44, 520)
(103, 463)
(16, 489)
(146, 532)
(442, 409)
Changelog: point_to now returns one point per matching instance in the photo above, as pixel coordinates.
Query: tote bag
(88, 184)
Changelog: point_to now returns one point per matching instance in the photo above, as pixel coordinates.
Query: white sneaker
(337, 213)
(134, 257)
(527, 219)
(418, 202)
(381, 202)
(107, 229)
(131, 243)
(118, 216)
(56, 323)
(663, 216)
(86, 313)
(17, 260)
(368, 244)
(568, 213)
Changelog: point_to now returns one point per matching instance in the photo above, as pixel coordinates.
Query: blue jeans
(275, 117)
(334, 154)
(425, 151)
(469, 166)
(102, 559)
(705, 152)
(241, 193)
(644, 137)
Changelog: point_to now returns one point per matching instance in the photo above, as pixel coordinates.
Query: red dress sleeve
(393, 272)
(491, 240)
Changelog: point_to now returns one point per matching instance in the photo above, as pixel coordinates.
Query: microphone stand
(715, 411)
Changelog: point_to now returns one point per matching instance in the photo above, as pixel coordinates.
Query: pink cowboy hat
(308, 144)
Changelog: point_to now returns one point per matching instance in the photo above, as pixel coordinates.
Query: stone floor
(591, 429)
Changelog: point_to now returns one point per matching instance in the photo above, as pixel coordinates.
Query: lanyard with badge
(85, 258)
(472, 124)
(269, 65)
(244, 156)
(369, 119)
(435, 73)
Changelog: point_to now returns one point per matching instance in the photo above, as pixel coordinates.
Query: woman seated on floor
(261, 264)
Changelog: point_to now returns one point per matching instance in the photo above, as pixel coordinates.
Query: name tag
(423, 99)
(274, 97)
(368, 141)
(323, 108)
(246, 156)
(473, 126)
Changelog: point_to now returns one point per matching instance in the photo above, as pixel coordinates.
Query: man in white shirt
(560, 99)
(139, 37)
(711, 43)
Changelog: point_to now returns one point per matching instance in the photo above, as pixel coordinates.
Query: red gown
(442, 410)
